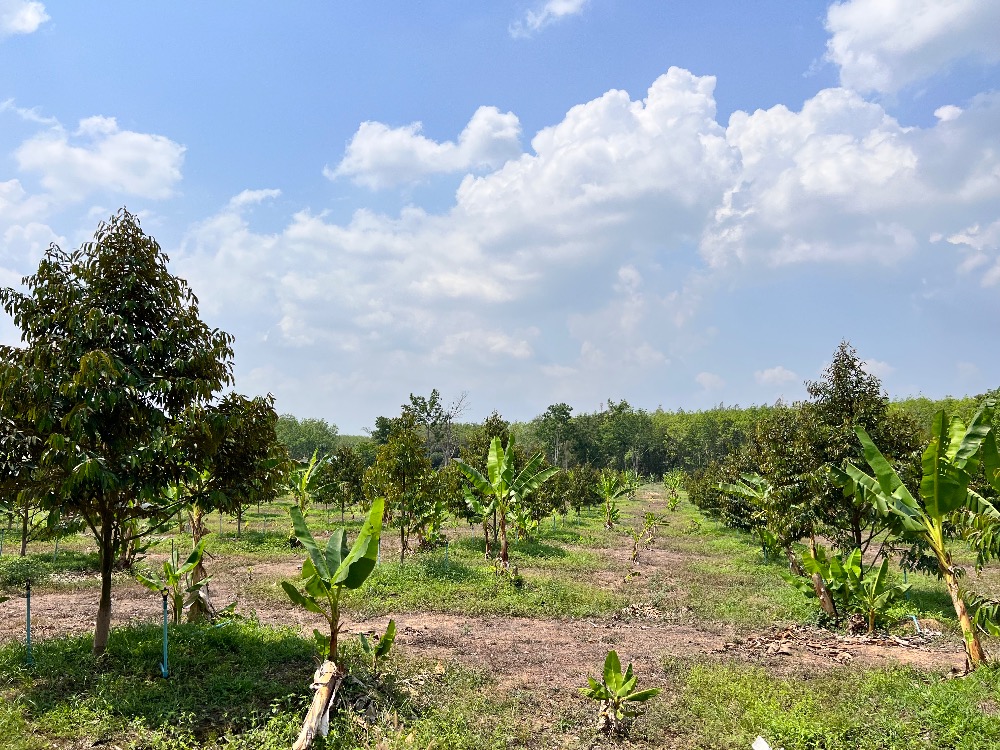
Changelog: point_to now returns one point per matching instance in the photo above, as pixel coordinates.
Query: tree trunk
(402, 537)
(793, 562)
(822, 593)
(503, 538)
(326, 681)
(24, 530)
(974, 653)
(486, 535)
(102, 628)
(201, 607)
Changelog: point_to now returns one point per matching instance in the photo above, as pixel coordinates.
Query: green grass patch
(429, 582)
(39, 568)
(728, 706)
(238, 686)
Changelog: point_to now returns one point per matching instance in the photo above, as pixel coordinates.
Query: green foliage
(376, 648)
(114, 354)
(327, 573)
(617, 695)
(304, 481)
(874, 594)
(402, 474)
(176, 580)
(303, 438)
(642, 536)
(950, 462)
(612, 487)
(507, 489)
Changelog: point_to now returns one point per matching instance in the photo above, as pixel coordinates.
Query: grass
(40, 568)
(429, 582)
(241, 685)
(728, 706)
(244, 685)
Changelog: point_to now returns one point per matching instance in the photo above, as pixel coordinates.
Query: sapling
(611, 488)
(505, 489)
(326, 574)
(617, 695)
(375, 648)
(176, 581)
(642, 537)
(874, 594)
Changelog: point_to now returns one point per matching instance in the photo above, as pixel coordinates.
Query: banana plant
(949, 463)
(305, 481)
(506, 489)
(376, 647)
(874, 594)
(757, 490)
(612, 488)
(326, 573)
(181, 592)
(617, 695)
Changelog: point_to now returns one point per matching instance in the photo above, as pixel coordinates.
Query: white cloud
(379, 156)
(982, 246)
(775, 376)
(550, 12)
(252, 198)
(879, 369)
(948, 112)
(885, 45)
(709, 381)
(841, 180)
(582, 236)
(21, 17)
(101, 156)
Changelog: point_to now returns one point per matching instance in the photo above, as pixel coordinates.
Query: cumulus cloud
(885, 45)
(21, 17)
(775, 376)
(379, 156)
(537, 19)
(580, 238)
(252, 198)
(101, 156)
(841, 180)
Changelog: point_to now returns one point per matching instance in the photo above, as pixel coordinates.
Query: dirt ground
(525, 653)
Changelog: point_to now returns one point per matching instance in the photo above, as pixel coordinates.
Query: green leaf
(297, 598)
(336, 549)
(991, 461)
(153, 584)
(305, 537)
(643, 695)
(475, 477)
(386, 641)
(612, 671)
(360, 561)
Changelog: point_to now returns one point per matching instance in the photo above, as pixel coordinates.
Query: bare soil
(527, 653)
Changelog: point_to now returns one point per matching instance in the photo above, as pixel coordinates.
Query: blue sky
(675, 203)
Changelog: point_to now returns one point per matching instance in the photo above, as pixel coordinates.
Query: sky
(679, 204)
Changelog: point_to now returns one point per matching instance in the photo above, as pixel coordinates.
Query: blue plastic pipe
(163, 666)
(28, 620)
